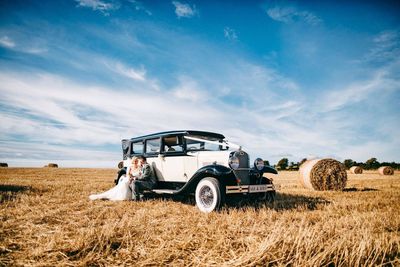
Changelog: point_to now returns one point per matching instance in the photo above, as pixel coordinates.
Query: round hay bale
(323, 174)
(386, 170)
(356, 170)
(52, 165)
(3, 164)
(120, 165)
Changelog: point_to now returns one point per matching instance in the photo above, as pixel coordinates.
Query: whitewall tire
(208, 195)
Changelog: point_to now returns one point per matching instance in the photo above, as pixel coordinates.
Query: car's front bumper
(249, 189)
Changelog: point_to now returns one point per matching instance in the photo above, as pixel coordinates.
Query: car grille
(243, 172)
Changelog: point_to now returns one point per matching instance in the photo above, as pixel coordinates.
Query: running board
(164, 191)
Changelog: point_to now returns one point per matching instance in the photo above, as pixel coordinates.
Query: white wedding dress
(121, 191)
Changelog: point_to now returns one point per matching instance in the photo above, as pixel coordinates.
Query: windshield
(207, 143)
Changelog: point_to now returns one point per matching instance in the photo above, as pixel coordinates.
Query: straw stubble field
(47, 220)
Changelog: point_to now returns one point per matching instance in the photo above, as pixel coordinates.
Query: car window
(137, 148)
(125, 148)
(194, 145)
(153, 146)
(201, 145)
(173, 144)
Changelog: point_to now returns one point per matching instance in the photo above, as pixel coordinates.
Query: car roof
(184, 132)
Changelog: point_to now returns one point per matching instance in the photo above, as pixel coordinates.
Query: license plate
(258, 188)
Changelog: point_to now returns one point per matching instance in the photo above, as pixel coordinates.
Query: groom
(145, 181)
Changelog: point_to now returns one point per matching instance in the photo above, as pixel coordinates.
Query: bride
(122, 190)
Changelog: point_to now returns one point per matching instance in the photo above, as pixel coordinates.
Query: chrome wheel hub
(206, 196)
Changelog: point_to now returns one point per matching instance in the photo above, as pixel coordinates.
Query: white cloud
(61, 113)
(184, 10)
(230, 34)
(290, 15)
(75, 113)
(7, 42)
(99, 5)
(55, 113)
(188, 89)
(380, 82)
(134, 74)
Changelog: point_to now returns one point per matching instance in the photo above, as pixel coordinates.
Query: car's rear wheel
(209, 196)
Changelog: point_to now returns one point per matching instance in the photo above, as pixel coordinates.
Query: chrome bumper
(235, 189)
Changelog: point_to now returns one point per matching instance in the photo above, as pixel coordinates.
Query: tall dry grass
(46, 220)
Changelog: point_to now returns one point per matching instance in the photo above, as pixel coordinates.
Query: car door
(172, 159)
(191, 164)
(152, 149)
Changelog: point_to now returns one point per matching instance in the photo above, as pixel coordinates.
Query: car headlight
(259, 164)
(234, 162)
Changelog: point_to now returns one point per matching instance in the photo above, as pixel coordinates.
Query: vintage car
(200, 163)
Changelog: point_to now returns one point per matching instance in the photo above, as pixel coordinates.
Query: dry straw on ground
(323, 174)
(356, 170)
(386, 170)
(46, 219)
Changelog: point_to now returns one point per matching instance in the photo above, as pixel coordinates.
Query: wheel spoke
(206, 196)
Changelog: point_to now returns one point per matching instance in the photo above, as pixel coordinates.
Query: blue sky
(282, 78)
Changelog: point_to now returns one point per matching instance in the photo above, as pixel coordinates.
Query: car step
(164, 191)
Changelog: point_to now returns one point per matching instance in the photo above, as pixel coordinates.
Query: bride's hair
(134, 163)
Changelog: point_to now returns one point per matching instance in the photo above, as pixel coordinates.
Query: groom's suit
(146, 181)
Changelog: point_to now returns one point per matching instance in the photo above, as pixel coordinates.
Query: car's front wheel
(209, 196)
(268, 197)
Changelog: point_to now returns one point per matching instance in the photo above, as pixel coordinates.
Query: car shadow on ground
(9, 192)
(290, 201)
(282, 202)
(353, 189)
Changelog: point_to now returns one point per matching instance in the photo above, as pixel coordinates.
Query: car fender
(270, 169)
(217, 171)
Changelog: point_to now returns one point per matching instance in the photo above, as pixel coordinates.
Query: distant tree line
(371, 164)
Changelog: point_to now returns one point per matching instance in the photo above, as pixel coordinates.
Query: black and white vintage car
(200, 163)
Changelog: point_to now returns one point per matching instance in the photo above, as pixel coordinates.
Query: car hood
(205, 158)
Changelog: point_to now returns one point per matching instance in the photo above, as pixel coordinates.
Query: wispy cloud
(183, 10)
(77, 114)
(140, 7)
(385, 48)
(134, 74)
(381, 78)
(93, 117)
(79, 98)
(31, 48)
(102, 6)
(188, 89)
(287, 14)
(380, 83)
(7, 42)
(230, 34)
